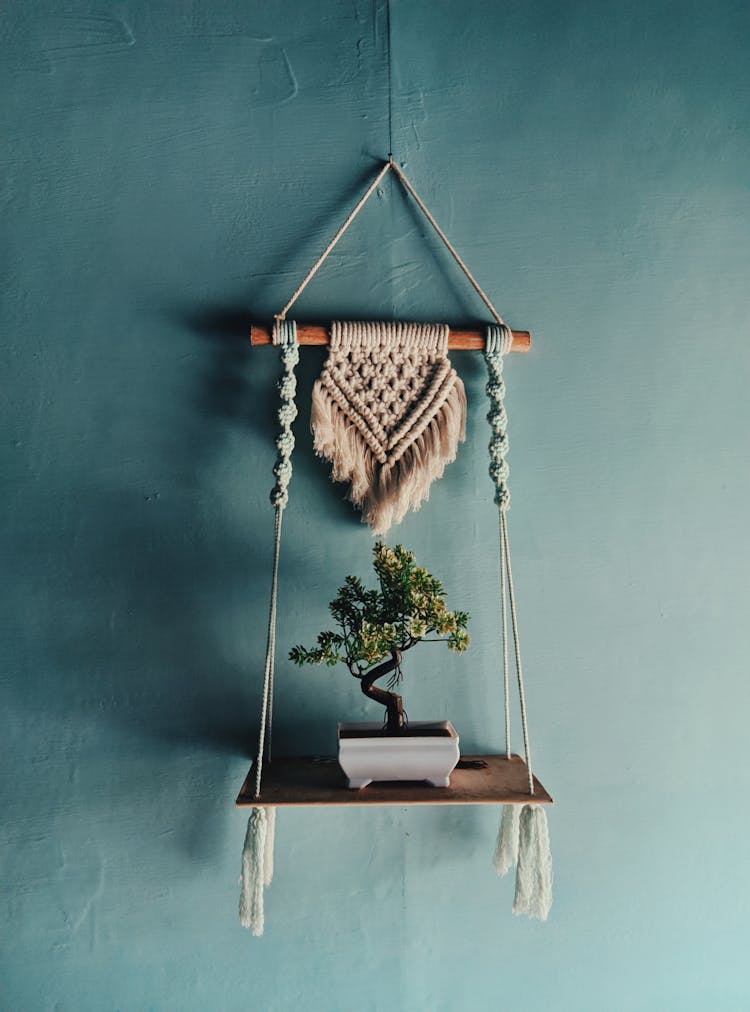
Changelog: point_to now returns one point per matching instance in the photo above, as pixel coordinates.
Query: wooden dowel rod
(463, 340)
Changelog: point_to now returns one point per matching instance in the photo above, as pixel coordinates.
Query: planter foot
(357, 783)
(442, 782)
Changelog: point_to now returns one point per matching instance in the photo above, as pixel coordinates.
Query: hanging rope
(257, 853)
(449, 246)
(390, 164)
(517, 648)
(523, 837)
(284, 335)
(498, 343)
(324, 255)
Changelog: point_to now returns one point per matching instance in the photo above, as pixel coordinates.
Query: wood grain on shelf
(318, 780)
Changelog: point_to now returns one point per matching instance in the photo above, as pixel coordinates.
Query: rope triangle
(387, 167)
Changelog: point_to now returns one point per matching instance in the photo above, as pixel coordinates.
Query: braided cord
(284, 335)
(498, 343)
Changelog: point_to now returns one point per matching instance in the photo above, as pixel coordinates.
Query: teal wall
(170, 170)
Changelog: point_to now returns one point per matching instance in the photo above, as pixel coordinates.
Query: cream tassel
(257, 867)
(268, 849)
(534, 869)
(506, 848)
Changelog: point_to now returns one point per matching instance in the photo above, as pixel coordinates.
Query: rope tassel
(534, 869)
(268, 849)
(506, 848)
(257, 867)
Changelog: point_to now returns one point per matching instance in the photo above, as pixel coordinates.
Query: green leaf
(408, 606)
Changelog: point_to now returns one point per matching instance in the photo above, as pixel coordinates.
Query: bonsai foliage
(376, 627)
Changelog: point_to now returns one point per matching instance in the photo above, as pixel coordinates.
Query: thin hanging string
(285, 335)
(497, 344)
(472, 280)
(506, 666)
(267, 729)
(324, 255)
(390, 164)
(266, 705)
(517, 647)
(390, 80)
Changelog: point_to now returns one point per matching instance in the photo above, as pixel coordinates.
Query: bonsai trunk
(390, 700)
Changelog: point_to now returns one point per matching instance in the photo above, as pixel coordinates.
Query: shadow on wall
(239, 386)
(150, 631)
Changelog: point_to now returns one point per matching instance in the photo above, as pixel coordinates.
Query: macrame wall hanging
(388, 412)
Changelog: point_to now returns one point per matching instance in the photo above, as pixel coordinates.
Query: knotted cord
(498, 343)
(284, 335)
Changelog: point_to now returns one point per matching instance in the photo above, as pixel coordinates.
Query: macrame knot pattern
(388, 411)
(498, 341)
(285, 336)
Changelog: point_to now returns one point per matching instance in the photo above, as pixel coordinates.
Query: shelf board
(319, 780)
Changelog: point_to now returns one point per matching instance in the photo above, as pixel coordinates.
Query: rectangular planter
(428, 750)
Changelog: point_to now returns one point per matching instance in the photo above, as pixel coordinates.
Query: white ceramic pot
(429, 752)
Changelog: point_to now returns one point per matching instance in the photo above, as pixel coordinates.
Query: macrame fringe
(257, 867)
(268, 849)
(506, 848)
(386, 492)
(534, 869)
(523, 841)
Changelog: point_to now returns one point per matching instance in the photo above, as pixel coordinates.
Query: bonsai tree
(376, 627)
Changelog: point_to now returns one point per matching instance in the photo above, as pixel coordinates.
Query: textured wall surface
(169, 172)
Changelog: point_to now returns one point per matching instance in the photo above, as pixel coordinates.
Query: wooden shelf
(318, 780)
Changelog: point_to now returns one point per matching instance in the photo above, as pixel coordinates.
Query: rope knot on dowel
(285, 336)
(498, 342)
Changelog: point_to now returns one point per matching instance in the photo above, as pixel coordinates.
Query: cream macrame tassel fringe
(257, 867)
(268, 849)
(506, 849)
(523, 842)
(534, 868)
(388, 411)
